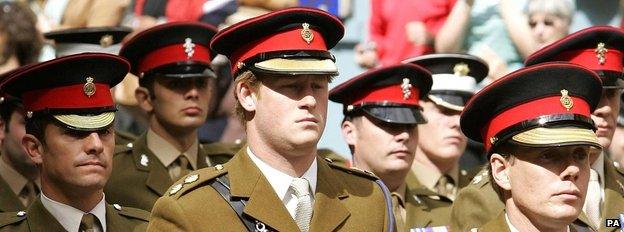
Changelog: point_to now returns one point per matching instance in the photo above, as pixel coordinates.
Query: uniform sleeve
(167, 216)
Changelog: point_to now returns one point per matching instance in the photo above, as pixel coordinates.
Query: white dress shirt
(281, 182)
(70, 217)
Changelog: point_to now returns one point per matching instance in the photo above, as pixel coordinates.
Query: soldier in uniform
(176, 90)
(71, 140)
(441, 143)
(382, 112)
(19, 177)
(539, 138)
(599, 49)
(97, 39)
(282, 67)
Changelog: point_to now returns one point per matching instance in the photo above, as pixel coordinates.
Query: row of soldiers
(543, 128)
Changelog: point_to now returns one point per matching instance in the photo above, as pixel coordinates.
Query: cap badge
(406, 88)
(89, 87)
(461, 69)
(566, 101)
(306, 33)
(1, 100)
(29, 114)
(189, 47)
(106, 41)
(493, 140)
(600, 53)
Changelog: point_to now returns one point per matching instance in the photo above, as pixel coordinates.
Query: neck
(29, 172)
(181, 139)
(442, 166)
(292, 161)
(84, 199)
(523, 223)
(393, 180)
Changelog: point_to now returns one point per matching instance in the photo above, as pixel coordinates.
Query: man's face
(381, 147)
(550, 183)
(181, 103)
(290, 111)
(548, 28)
(441, 139)
(605, 116)
(76, 159)
(616, 150)
(12, 145)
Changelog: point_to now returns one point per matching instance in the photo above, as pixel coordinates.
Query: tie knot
(88, 222)
(593, 175)
(300, 186)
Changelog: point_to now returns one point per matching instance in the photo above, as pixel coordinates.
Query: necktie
(303, 213)
(88, 223)
(399, 211)
(444, 186)
(184, 167)
(593, 198)
(29, 193)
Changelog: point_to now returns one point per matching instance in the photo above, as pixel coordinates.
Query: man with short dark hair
(71, 140)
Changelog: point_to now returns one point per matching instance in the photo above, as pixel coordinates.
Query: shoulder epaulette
(132, 212)
(195, 179)
(619, 168)
(220, 148)
(353, 171)
(123, 148)
(9, 218)
(481, 179)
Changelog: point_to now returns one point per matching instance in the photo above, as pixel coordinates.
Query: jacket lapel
(248, 182)
(158, 179)
(8, 200)
(614, 192)
(39, 219)
(329, 212)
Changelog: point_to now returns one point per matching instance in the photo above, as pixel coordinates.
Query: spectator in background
(63, 14)
(20, 42)
(400, 31)
(549, 20)
(494, 30)
(149, 13)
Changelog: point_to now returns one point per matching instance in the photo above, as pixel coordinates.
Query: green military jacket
(345, 200)
(499, 224)
(8, 200)
(478, 203)
(139, 178)
(123, 137)
(37, 218)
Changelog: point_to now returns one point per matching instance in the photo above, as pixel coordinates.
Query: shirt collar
(70, 217)
(167, 153)
(281, 181)
(512, 228)
(15, 180)
(598, 166)
(429, 176)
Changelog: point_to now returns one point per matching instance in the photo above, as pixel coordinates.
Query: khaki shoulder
(219, 148)
(123, 148)
(194, 179)
(132, 213)
(10, 218)
(481, 179)
(619, 168)
(333, 157)
(353, 171)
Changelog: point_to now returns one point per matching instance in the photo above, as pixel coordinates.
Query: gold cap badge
(461, 69)
(89, 87)
(406, 88)
(493, 140)
(306, 33)
(601, 51)
(106, 41)
(566, 101)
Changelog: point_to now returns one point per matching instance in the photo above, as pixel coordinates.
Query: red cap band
(590, 59)
(282, 41)
(172, 54)
(67, 97)
(532, 110)
(389, 93)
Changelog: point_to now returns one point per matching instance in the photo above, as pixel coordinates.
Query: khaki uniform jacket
(425, 208)
(499, 224)
(37, 218)
(345, 200)
(139, 178)
(478, 203)
(8, 200)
